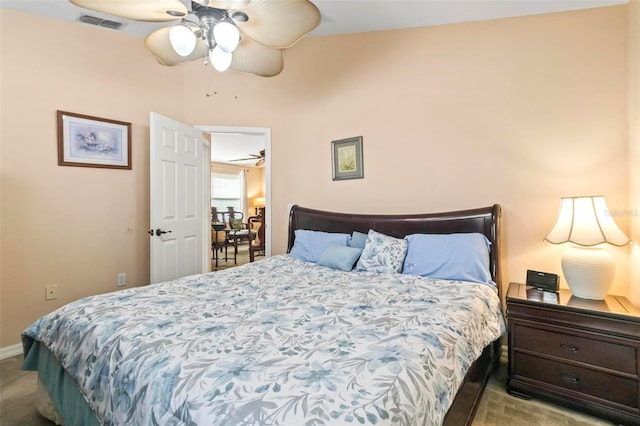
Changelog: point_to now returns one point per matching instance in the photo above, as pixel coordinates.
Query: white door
(179, 169)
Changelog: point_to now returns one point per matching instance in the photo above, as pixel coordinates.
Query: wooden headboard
(485, 220)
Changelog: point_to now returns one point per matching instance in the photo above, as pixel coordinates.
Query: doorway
(265, 135)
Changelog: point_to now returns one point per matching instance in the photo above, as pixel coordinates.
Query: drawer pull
(569, 348)
(572, 380)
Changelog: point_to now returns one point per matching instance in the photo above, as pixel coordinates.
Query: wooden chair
(238, 229)
(257, 243)
(220, 241)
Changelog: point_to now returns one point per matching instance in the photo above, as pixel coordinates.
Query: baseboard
(10, 351)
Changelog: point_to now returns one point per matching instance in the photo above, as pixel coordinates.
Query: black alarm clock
(544, 281)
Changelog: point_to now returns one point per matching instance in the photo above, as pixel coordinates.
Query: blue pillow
(463, 257)
(358, 239)
(337, 256)
(309, 245)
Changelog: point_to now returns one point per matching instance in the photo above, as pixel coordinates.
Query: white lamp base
(589, 271)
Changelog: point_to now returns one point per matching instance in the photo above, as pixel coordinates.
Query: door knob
(160, 232)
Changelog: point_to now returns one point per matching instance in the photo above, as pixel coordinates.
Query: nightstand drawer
(593, 352)
(583, 380)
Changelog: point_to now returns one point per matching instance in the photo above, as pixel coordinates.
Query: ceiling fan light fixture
(227, 36)
(182, 39)
(220, 59)
(255, 32)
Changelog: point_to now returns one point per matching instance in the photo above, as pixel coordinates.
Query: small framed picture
(87, 141)
(346, 156)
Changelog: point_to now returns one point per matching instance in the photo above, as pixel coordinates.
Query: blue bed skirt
(62, 389)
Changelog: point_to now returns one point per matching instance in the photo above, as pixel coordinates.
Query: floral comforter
(276, 342)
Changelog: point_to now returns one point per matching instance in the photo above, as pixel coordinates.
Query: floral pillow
(236, 224)
(382, 254)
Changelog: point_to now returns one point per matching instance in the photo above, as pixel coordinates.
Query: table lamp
(587, 223)
(258, 202)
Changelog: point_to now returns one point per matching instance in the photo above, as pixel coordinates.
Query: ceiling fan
(248, 36)
(260, 158)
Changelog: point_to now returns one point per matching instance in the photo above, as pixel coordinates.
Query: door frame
(265, 132)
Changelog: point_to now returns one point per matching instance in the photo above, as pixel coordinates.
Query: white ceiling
(226, 147)
(339, 17)
(352, 16)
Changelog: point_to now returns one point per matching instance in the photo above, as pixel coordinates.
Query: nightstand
(583, 354)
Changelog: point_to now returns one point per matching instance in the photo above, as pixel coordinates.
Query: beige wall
(256, 187)
(634, 146)
(516, 111)
(74, 227)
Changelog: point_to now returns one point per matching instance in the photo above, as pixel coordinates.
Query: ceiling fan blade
(147, 10)
(253, 58)
(253, 157)
(279, 23)
(158, 44)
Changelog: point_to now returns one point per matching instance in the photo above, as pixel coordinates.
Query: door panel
(190, 198)
(169, 181)
(168, 258)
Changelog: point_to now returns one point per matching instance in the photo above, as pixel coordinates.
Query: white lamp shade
(227, 36)
(182, 39)
(220, 59)
(586, 221)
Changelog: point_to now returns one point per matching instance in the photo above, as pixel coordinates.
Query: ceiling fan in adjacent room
(242, 35)
(259, 157)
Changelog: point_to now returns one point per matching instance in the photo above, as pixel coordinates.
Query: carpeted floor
(497, 408)
(17, 395)
(241, 258)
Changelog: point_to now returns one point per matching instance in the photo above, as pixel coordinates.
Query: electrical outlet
(122, 279)
(51, 292)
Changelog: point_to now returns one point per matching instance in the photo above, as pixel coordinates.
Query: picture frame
(346, 158)
(87, 141)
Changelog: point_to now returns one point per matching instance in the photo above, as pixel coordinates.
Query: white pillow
(382, 254)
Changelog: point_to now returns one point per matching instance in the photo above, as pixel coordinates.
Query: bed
(288, 340)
